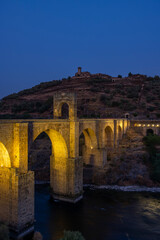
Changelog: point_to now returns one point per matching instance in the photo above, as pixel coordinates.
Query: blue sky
(45, 40)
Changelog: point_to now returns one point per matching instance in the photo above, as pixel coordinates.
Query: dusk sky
(45, 40)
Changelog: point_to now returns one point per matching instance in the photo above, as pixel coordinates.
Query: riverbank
(122, 188)
(134, 188)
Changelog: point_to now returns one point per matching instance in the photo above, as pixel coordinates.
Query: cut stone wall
(16, 198)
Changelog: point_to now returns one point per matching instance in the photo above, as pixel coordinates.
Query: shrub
(115, 104)
(151, 109)
(25, 115)
(99, 80)
(150, 78)
(103, 98)
(119, 76)
(132, 95)
(4, 232)
(135, 114)
(69, 235)
(151, 142)
(143, 105)
(93, 89)
(150, 98)
(94, 99)
(37, 236)
(107, 90)
(156, 77)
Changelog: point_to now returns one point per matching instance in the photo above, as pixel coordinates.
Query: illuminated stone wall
(143, 125)
(16, 198)
(65, 164)
(59, 99)
(100, 135)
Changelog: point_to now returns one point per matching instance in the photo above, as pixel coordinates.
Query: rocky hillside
(129, 164)
(99, 95)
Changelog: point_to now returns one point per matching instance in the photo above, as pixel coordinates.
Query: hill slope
(98, 95)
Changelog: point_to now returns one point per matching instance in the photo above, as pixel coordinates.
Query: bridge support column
(17, 201)
(115, 134)
(66, 179)
(95, 157)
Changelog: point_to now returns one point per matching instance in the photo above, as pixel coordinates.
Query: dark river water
(101, 215)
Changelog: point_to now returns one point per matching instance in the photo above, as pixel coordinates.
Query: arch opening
(108, 137)
(149, 132)
(64, 111)
(119, 132)
(39, 157)
(47, 144)
(90, 138)
(4, 156)
(87, 146)
(81, 144)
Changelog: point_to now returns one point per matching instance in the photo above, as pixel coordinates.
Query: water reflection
(101, 216)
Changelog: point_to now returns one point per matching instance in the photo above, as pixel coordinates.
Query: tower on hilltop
(79, 70)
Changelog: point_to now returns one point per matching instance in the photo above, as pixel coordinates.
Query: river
(101, 215)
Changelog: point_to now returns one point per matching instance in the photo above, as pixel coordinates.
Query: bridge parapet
(144, 125)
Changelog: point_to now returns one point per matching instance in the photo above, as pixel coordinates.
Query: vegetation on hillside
(152, 143)
(98, 97)
(70, 235)
(4, 232)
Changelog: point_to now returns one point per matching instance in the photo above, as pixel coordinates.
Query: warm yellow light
(152, 125)
(139, 125)
(157, 125)
(148, 125)
(90, 138)
(4, 156)
(58, 144)
(144, 125)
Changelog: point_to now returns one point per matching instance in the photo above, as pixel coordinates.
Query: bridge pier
(17, 201)
(96, 157)
(66, 179)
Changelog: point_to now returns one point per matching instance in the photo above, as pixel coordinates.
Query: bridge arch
(4, 156)
(90, 138)
(119, 132)
(59, 162)
(59, 147)
(109, 137)
(149, 131)
(88, 146)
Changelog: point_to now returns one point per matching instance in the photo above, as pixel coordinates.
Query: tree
(152, 143)
(70, 235)
(119, 76)
(156, 77)
(130, 74)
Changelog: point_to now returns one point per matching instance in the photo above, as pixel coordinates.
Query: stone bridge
(74, 141)
(145, 126)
